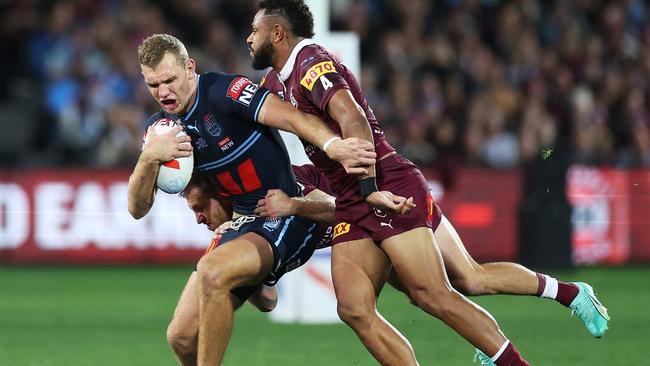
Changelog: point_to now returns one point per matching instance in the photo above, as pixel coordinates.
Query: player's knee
(182, 342)
(470, 286)
(440, 303)
(473, 283)
(213, 276)
(354, 313)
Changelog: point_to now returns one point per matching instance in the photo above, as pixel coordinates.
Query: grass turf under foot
(118, 316)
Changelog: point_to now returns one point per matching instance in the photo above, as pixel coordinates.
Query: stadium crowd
(481, 82)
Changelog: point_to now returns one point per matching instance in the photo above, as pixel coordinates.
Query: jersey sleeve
(238, 95)
(320, 79)
(308, 176)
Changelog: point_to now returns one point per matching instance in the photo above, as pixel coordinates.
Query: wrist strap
(329, 142)
(368, 186)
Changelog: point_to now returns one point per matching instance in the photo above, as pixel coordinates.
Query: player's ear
(190, 66)
(279, 33)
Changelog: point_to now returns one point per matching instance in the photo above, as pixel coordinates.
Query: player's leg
(183, 330)
(359, 270)
(246, 260)
(470, 278)
(418, 263)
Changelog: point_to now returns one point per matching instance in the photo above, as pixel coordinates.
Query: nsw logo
(214, 128)
(242, 90)
(272, 223)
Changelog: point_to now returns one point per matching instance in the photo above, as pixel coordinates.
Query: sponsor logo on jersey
(294, 102)
(214, 128)
(242, 90)
(316, 72)
(226, 143)
(308, 60)
(272, 223)
(340, 229)
(201, 143)
(192, 127)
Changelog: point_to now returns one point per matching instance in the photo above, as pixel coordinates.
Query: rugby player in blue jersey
(229, 122)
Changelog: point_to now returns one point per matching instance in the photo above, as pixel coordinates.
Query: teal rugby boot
(590, 310)
(483, 359)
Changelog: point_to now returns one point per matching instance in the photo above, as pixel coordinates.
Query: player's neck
(284, 52)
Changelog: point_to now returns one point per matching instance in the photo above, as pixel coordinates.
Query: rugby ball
(173, 175)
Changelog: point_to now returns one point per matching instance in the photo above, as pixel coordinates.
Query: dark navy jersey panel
(242, 158)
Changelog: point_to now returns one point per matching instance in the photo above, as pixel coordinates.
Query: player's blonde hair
(154, 48)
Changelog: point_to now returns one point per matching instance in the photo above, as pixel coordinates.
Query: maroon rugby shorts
(358, 220)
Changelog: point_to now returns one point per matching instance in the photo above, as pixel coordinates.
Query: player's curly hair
(295, 12)
(201, 182)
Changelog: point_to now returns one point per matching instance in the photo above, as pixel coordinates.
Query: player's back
(242, 158)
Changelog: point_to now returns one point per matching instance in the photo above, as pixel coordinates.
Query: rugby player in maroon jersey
(367, 241)
(316, 82)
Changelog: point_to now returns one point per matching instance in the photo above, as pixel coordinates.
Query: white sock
(550, 289)
(503, 348)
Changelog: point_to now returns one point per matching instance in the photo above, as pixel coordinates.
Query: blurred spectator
(484, 82)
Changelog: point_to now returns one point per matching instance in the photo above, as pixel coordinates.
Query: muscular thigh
(245, 260)
(458, 263)
(416, 259)
(359, 268)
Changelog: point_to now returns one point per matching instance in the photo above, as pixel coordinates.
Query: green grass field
(118, 316)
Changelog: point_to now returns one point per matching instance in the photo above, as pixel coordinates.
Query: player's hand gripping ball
(173, 175)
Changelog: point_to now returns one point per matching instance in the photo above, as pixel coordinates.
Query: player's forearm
(282, 115)
(265, 298)
(352, 120)
(358, 126)
(141, 186)
(315, 206)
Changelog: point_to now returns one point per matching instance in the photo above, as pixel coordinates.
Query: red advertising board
(80, 216)
(600, 202)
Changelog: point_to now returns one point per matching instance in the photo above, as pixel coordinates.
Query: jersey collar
(291, 61)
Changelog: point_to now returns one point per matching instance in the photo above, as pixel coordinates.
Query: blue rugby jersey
(242, 158)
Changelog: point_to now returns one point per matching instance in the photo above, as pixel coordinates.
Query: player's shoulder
(311, 55)
(271, 77)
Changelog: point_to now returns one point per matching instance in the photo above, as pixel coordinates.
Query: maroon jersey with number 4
(309, 79)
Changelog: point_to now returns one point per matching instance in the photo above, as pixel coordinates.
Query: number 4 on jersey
(326, 82)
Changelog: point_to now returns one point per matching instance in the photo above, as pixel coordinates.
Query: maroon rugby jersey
(308, 80)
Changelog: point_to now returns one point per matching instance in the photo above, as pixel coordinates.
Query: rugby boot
(590, 310)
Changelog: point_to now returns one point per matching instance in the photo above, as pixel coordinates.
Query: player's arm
(265, 298)
(142, 182)
(316, 205)
(355, 154)
(348, 113)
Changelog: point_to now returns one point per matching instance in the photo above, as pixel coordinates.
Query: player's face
(172, 85)
(207, 210)
(259, 42)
